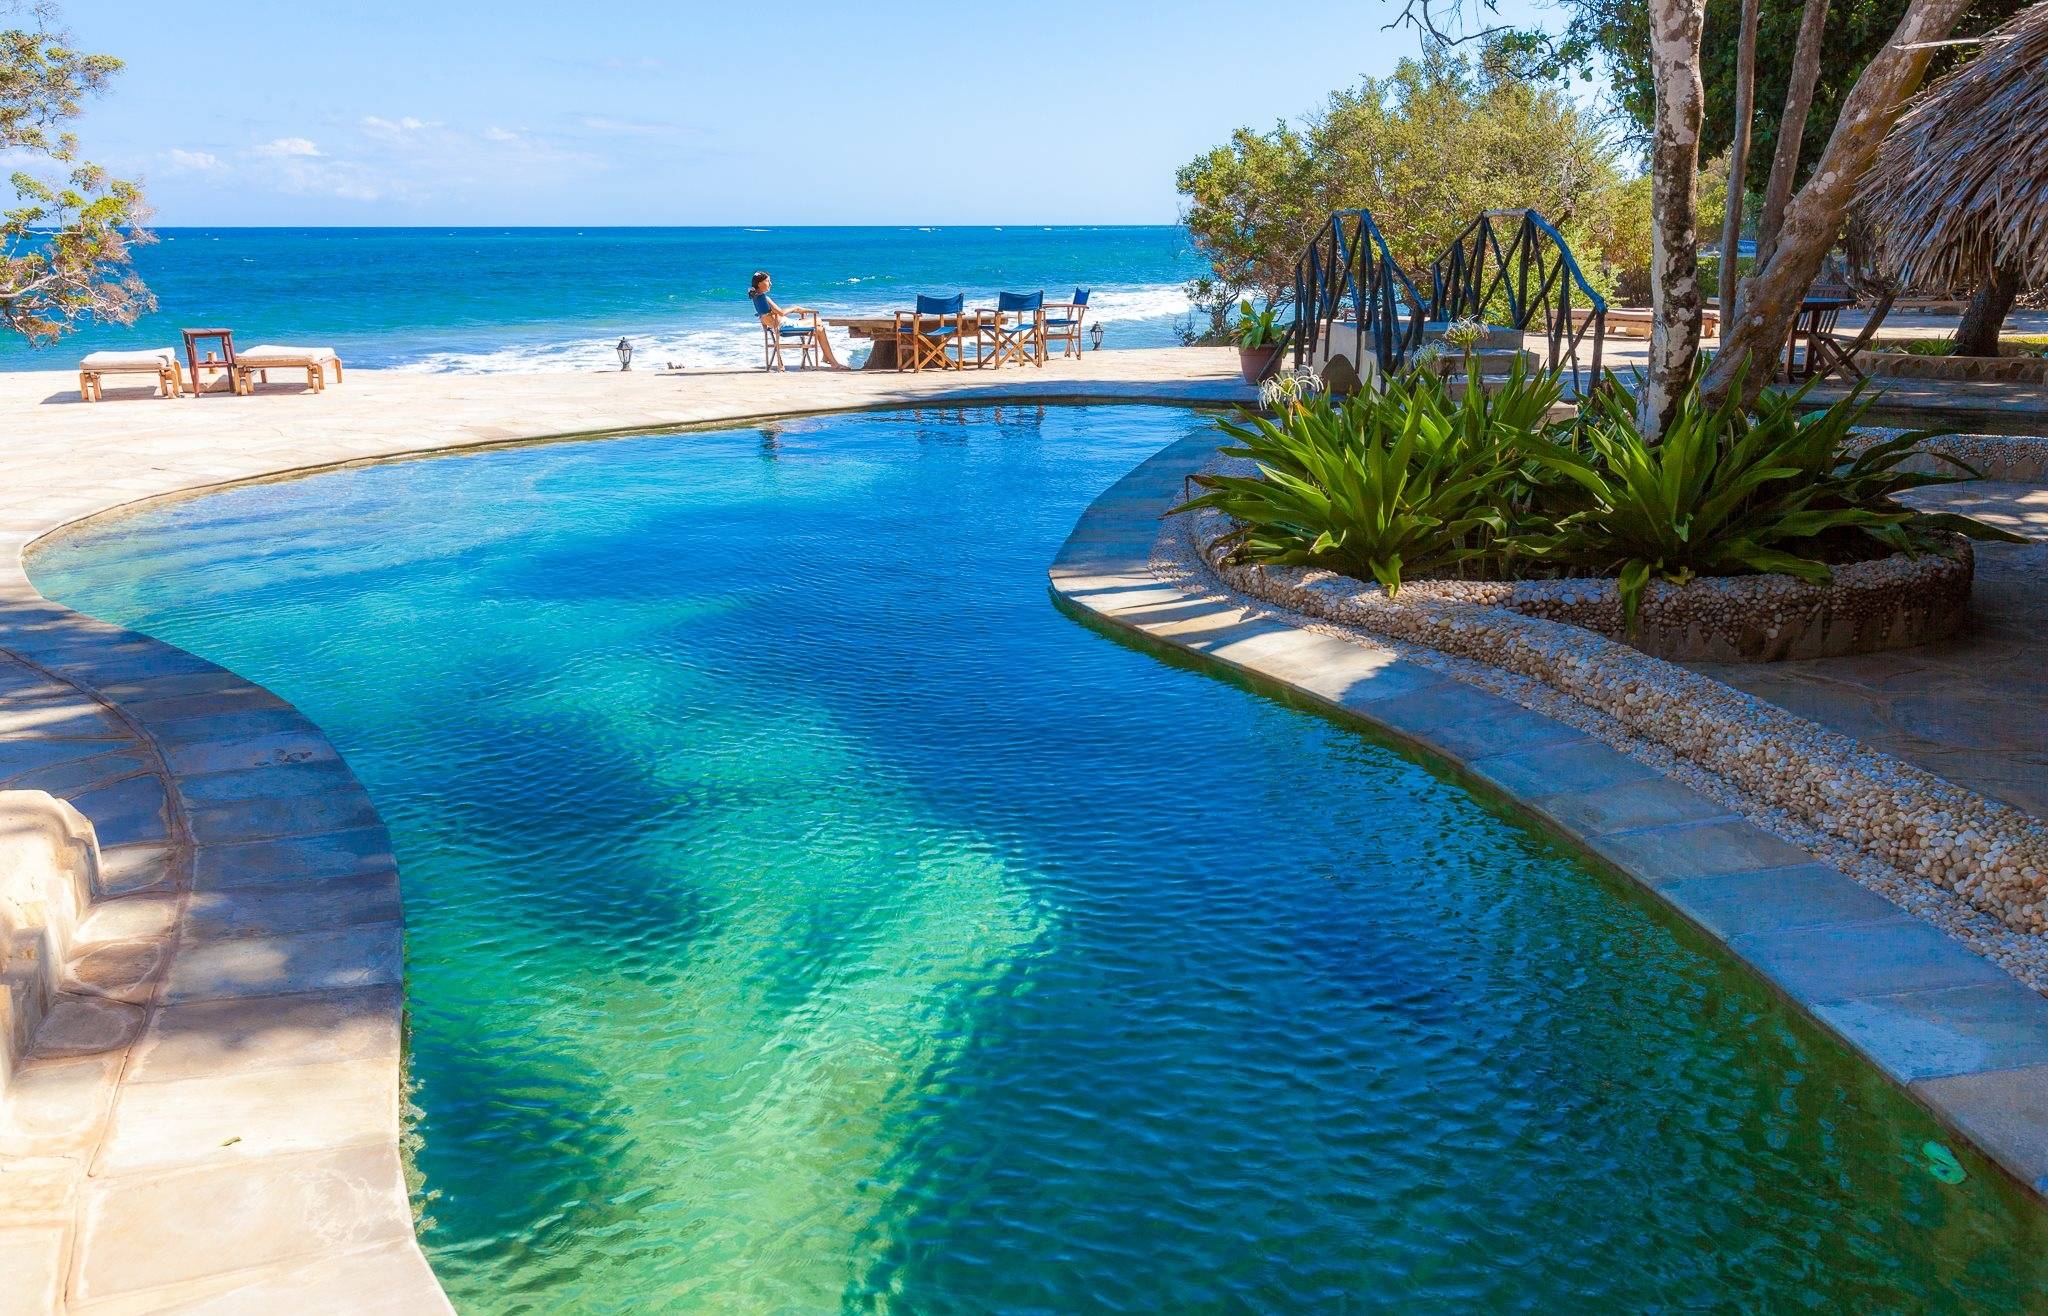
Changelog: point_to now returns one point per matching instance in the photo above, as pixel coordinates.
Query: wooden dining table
(881, 331)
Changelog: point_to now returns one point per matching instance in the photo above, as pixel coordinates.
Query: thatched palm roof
(1963, 177)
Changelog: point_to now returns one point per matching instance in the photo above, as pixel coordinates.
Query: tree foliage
(1425, 149)
(65, 243)
(1610, 39)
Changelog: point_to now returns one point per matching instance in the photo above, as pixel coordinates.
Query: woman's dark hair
(760, 277)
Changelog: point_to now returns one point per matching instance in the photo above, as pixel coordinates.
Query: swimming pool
(804, 914)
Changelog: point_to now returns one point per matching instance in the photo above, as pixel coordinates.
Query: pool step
(49, 861)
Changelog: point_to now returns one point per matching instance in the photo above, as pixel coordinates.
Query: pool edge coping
(1959, 1036)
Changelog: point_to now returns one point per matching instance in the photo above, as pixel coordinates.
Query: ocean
(480, 300)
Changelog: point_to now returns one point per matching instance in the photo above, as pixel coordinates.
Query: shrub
(1409, 482)
(1724, 492)
(1402, 480)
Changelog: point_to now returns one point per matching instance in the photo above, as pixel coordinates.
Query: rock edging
(209, 1112)
(1885, 603)
(1995, 369)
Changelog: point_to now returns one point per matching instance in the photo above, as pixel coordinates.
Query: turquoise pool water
(804, 915)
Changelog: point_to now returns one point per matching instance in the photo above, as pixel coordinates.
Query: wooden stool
(226, 363)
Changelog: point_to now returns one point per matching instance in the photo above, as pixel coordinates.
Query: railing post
(1525, 237)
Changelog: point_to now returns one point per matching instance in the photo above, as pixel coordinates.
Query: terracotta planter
(1254, 362)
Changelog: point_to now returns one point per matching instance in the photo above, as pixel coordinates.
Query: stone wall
(1988, 369)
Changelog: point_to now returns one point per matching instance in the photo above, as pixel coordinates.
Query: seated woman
(771, 317)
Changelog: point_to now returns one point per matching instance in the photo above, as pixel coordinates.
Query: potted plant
(1258, 340)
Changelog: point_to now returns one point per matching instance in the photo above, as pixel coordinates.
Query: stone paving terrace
(1972, 709)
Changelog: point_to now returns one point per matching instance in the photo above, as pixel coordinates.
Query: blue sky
(521, 112)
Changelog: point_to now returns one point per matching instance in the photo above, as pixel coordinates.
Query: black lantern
(1095, 337)
(625, 350)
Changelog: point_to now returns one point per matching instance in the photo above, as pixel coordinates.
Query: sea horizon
(490, 298)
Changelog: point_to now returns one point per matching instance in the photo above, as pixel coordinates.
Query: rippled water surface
(805, 915)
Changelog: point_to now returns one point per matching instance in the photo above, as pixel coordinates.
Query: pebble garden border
(1886, 603)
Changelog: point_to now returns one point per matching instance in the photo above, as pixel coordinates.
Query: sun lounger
(257, 362)
(161, 362)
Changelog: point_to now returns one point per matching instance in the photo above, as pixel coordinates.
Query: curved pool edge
(228, 1051)
(1935, 1018)
(239, 1137)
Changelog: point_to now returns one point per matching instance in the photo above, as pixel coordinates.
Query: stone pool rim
(92, 655)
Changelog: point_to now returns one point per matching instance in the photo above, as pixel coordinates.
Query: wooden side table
(226, 361)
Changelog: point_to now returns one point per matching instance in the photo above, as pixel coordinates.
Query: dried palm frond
(1962, 181)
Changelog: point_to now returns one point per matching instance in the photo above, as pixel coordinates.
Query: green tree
(1250, 205)
(1610, 39)
(1425, 149)
(65, 244)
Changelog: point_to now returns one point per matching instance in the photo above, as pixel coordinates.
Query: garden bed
(1886, 603)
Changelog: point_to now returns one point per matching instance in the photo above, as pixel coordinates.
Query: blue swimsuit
(762, 306)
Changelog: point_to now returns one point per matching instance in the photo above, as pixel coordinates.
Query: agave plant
(1727, 493)
(1398, 481)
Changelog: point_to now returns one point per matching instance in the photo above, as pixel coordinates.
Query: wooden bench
(1634, 321)
(160, 362)
(257, 362)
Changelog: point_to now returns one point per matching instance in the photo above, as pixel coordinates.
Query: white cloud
(403, 160)
(287, 147)
(389, 129)
(336, 178)
(195, 162)
(298, 166)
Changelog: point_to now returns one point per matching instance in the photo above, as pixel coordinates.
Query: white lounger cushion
(250, 356)
(154, 359)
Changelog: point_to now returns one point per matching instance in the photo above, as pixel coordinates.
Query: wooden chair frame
(1826, 351)
(917, 347)
(773, 338)
(1067, 334)
(1022, 341)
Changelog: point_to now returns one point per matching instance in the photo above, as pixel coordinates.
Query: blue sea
(502, 299)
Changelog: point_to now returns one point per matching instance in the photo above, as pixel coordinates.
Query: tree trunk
(1674, 208)
(1738, 155)
(1977, 335)
(1791, 127)
(1813, 219)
